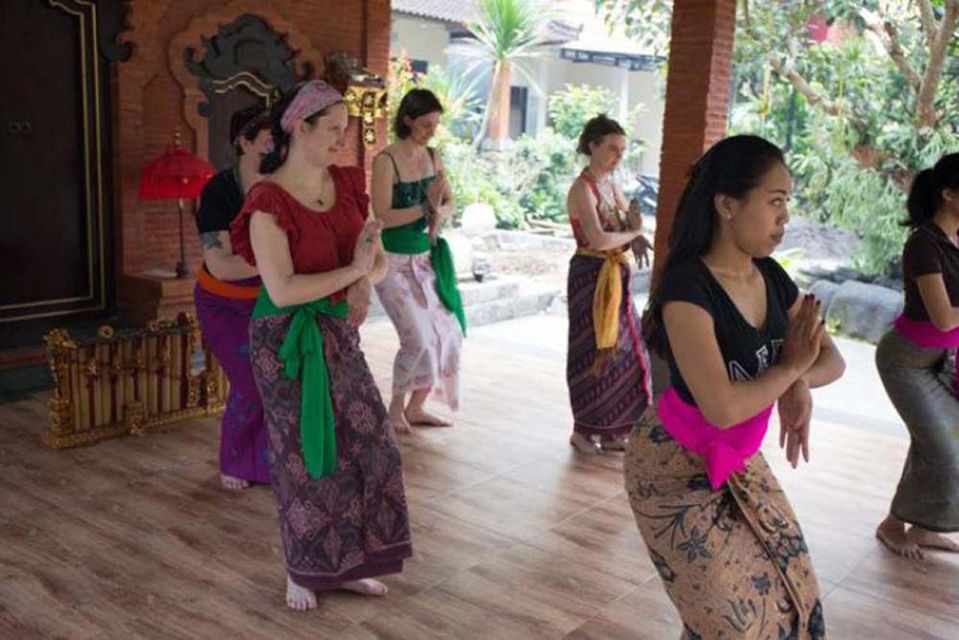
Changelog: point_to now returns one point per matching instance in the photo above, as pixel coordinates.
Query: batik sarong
(734, 561)
(608, 389)
(352, 524)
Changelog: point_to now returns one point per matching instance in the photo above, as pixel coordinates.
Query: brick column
(697, 99)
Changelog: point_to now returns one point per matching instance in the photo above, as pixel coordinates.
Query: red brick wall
(697, 98)
(150, 99)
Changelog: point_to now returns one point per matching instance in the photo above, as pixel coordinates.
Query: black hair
(281, 139)
(247, 123)
(594, 131)
(733, 166)
(925, 194)
(416, 103)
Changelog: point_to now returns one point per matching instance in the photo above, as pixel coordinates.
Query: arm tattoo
(211, 240)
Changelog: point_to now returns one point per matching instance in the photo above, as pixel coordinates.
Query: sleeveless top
(604, 217)
(411, 193)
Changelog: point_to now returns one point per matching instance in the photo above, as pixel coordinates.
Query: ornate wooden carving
(113, 21)
(363, 91)
(196, 57)
(245, 51)
(129, 382)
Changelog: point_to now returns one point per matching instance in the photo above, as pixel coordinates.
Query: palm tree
(457, 94)
(507, 32)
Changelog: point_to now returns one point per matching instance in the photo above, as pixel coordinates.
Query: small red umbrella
(177, 174)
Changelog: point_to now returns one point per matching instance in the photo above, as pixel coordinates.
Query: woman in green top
(412, 198)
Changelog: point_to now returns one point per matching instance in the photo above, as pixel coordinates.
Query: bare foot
(892, 533)
(931, 539)
(614, 444)
(366, 587)
(585, 444)
(233, 484)
(422, 418)
(299, 598)
(398, 424)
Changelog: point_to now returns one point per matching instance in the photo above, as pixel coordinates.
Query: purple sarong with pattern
(608, 396)
(354, 523)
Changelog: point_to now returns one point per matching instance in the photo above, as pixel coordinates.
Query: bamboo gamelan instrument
(129, 381)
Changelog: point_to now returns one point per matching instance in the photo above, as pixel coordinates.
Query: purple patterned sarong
(352, 524)
(608, 394)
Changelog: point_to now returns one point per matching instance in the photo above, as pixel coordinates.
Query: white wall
(536, 116)
(563, 72)
(426, 40)
(419, 40)
(646, 87)
(632, 87)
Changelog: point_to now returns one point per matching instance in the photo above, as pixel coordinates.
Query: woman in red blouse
(336, 470)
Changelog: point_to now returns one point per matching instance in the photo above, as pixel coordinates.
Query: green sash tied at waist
(406, 241)
(302, 356)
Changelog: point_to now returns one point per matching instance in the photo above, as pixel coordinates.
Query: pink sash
(724, 450)
(924, 334)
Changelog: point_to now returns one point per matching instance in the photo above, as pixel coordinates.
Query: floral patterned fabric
(430, 336)
(734, 562)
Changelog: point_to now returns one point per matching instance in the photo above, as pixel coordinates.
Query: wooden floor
(515, 536)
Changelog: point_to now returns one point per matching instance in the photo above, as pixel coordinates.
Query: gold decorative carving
(369, 106)
(129, 382)
(364, 92)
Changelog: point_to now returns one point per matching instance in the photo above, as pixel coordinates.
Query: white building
(580, 50)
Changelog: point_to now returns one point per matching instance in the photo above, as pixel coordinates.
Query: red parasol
(176, 174)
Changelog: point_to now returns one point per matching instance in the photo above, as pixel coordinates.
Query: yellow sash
(608, 295)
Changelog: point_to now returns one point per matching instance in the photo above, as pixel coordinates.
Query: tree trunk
(499, 105)
(939, 39)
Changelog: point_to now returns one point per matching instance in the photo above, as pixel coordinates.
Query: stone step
(475, 293)
(529, 302)
(496, 300)
(489, 290)
(508, 297)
